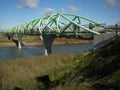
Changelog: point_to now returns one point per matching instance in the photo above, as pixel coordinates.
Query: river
(10, 53)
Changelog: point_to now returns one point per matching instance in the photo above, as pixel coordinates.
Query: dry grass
(22, 72)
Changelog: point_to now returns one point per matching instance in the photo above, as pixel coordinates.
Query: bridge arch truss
(56, 24)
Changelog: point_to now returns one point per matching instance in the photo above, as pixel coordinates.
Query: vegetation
(95, 70)
(23, 73)
(29, 39)
(98, 70)
(5, 41)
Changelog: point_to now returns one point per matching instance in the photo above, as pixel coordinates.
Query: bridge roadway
(104, 38)
(55, 25)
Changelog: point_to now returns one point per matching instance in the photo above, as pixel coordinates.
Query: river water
(10, 53)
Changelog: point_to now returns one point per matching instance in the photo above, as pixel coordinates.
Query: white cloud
(28, 4)
(47, 11)
(74, 9)
(111, 3)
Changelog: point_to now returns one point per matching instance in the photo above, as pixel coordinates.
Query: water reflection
(9, 53)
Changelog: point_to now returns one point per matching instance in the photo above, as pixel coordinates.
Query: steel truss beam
(57, 24)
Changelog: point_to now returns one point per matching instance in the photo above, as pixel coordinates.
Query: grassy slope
(22, 73)
(98, 70)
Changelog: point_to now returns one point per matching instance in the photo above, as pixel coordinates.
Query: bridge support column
(9, 36)
(48, 41)
(20, 41)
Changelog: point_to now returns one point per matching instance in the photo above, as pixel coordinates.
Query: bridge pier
(9, 36)
(20, 41)
(48, 41)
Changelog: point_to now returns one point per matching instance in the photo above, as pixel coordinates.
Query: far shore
(12, 44)
(35, 40)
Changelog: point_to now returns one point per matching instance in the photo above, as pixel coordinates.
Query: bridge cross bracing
(55, 25)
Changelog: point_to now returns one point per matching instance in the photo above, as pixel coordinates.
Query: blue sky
(15, 12)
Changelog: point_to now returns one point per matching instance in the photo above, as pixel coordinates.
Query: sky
(15, 12)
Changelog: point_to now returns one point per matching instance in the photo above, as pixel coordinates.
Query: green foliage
(114, 79)
(60, 73)
(97, 70)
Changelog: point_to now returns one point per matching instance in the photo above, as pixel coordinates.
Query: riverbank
(35, 40)
(95, 70)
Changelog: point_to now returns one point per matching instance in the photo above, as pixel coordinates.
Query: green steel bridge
(57, 24)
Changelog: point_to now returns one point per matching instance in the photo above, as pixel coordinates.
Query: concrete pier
(20, 41)
(9, 36)
(48, 41)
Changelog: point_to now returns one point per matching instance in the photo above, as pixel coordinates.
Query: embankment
(95, 70)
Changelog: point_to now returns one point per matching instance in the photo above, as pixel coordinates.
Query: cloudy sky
(15, 12)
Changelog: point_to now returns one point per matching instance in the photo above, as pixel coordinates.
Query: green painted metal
(56, 24)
